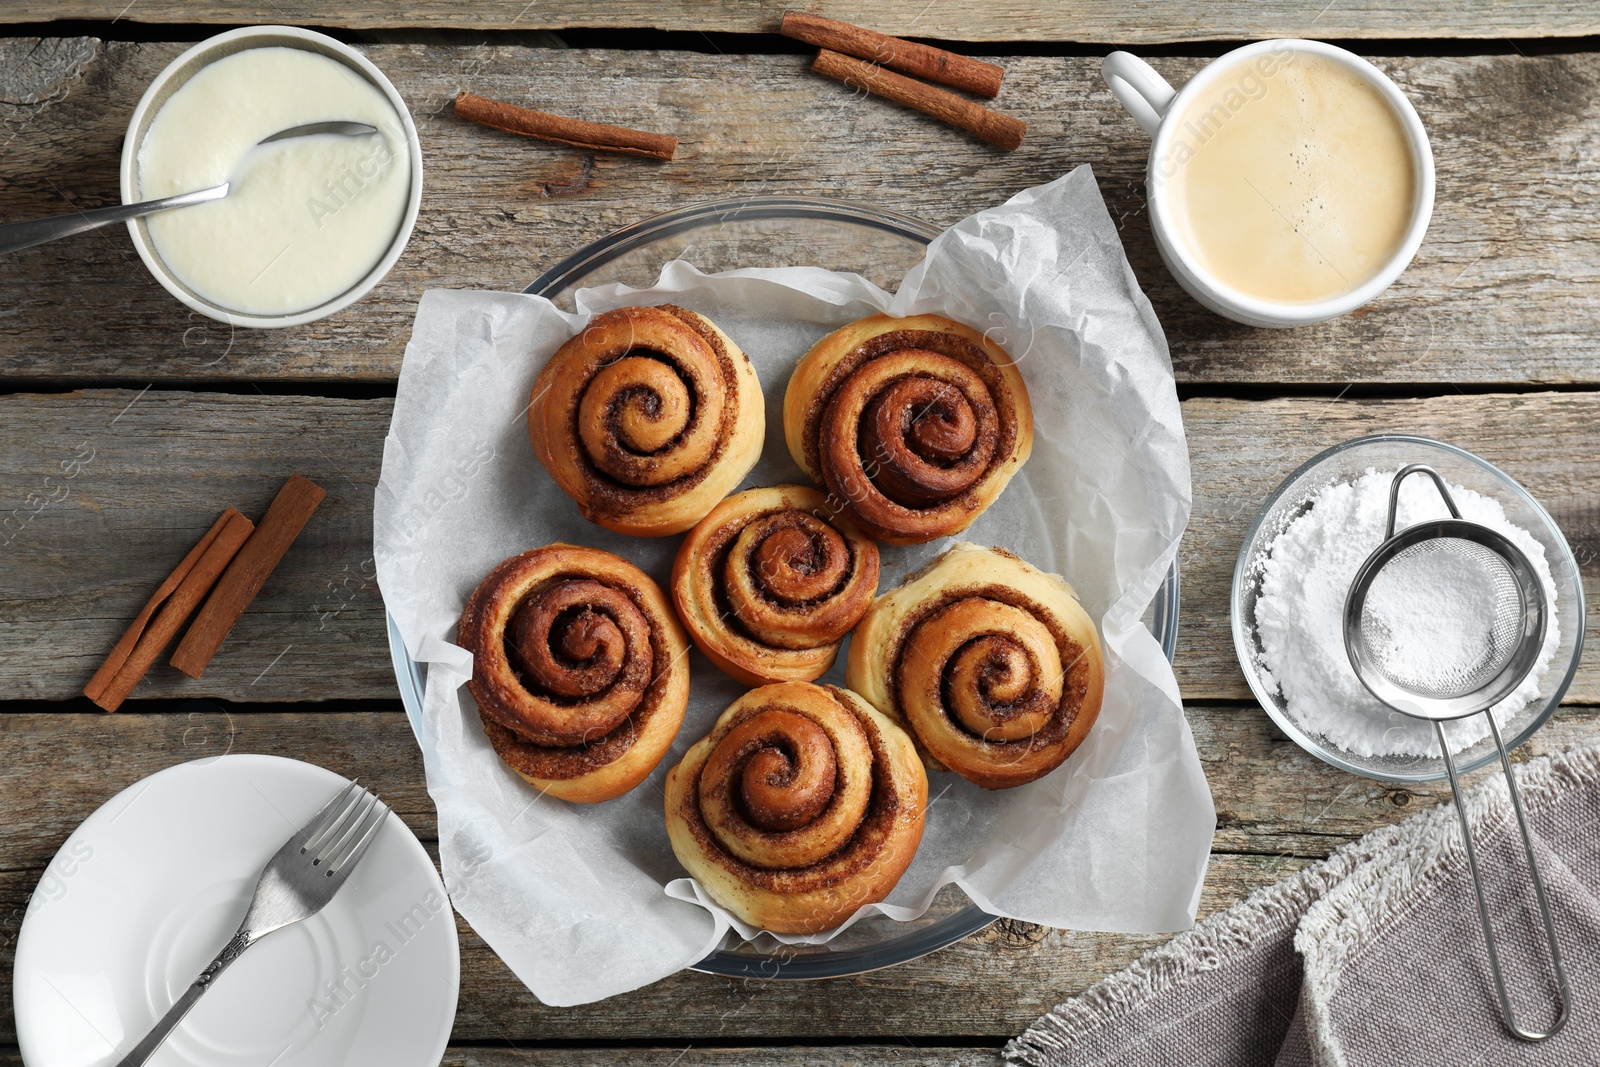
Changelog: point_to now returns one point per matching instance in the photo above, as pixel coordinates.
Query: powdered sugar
(1306, 574)
(1431, 616)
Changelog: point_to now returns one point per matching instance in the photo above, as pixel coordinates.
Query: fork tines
(338, 835)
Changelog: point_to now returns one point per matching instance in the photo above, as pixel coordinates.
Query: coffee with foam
(1290, 178)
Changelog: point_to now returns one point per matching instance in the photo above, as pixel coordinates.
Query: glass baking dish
(776, 231)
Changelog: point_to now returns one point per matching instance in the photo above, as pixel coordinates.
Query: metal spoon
(19, 235)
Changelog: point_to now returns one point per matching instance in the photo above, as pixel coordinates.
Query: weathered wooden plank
(1247, 763)
(60, 766)
(903, 1055)
(1504, 289)
(1098, 21)
(1277, 807)
(154, 468)
(1274, 798)
(507, 1055)
(689, 1056)
(116, 486)
(1242, 450)
(1022, 970)
(88, 756)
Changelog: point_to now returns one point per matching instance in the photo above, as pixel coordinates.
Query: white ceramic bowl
(1158, 108)
(185, 67)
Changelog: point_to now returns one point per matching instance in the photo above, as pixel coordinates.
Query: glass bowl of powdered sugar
(1295, 569)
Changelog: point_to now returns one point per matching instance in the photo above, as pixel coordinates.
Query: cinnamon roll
(801, 805)
(578, 668)
(647, 418)
(991, 664)
(770, 582)
(914, 425)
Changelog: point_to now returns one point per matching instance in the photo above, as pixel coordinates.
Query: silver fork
(296, 883)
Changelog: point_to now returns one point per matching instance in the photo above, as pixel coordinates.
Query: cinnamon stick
(992, 126)
(285, 517)
(908, 57)
(575, 132)
(215, 552)
(130, 636)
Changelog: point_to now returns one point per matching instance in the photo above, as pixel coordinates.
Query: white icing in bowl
(312, 224)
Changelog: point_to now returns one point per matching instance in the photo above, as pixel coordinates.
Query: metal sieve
(1436, 677)
(1444, 684)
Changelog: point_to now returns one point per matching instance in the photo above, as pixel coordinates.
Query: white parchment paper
(586, 901)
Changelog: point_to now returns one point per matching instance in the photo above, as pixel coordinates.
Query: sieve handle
(1394, 493)
(1564, 1001)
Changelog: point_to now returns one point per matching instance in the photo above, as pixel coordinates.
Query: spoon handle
(18, 235)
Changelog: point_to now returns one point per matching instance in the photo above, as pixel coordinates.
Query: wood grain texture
(1278, 809)
(1242, 450)
(900, 1055)
(1272, 798)
(1023, 970)
(107, 490)
(101, 491)
(689, 1056)
(495, 1054)
(83, 552)
(1505, 288)
(1099, 21)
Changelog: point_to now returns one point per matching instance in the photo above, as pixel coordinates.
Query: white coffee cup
(1155, 104)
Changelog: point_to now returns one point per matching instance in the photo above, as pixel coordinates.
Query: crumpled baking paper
(586, 901)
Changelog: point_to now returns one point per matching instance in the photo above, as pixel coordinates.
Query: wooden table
(151, 418)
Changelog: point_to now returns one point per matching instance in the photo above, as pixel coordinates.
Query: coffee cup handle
(1142, 92)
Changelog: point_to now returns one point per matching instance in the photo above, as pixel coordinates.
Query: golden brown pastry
(578, 668)
(770, 582)
(990, 663)
(647, 418)
(914, 425)
(800, 806)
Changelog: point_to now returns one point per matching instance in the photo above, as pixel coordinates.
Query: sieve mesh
(1414, 661)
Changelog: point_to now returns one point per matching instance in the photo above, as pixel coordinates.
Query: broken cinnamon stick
(285, 517)
(992, 126)
(215, 551)
(575, 132)
(908, 57)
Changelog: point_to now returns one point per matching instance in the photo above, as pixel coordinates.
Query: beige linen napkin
(1372, 957)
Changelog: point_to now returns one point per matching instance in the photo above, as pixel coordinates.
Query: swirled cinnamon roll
(914, 425)
(801, 805)
(578, 668)
(771, 581)
(991, 664)
(647, 418)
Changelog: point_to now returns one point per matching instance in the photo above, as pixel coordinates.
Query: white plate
(151, 886)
